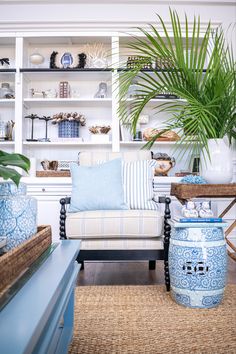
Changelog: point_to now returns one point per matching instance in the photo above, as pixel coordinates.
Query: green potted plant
(198, 67)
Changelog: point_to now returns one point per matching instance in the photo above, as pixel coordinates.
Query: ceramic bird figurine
(189, 210)
(205, 211)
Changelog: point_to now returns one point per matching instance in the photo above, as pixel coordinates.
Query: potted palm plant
(197, 67)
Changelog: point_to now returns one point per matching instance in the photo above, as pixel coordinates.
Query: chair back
(89, 158)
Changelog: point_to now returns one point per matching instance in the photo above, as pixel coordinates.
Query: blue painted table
(39, 318)
(197, 263)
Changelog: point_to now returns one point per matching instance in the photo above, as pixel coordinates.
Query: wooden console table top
(184, 191)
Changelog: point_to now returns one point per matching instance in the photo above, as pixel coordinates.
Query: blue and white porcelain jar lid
(10, 188)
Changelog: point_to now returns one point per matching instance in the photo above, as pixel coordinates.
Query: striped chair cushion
(122, 244)
(138, 184)
(118, 224)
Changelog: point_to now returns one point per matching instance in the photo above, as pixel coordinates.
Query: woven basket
(14, 262)
(52, 173)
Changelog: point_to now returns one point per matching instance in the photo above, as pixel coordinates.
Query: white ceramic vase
(218, 167)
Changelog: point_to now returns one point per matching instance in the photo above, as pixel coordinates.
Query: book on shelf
(197, 220)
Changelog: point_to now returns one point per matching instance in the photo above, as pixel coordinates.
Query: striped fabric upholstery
(89, 158)
(138, 184)
(117, 224)
(126, 244)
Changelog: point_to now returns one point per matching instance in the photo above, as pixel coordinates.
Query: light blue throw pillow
(98, 187)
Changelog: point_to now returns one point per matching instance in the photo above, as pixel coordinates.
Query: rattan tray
(52, 173)
(16, 261)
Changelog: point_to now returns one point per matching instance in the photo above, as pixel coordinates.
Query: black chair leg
(152, 265)
(82, 265)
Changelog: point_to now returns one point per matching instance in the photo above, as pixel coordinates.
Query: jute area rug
(145, 319)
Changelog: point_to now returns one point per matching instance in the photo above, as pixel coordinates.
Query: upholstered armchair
(139, 231)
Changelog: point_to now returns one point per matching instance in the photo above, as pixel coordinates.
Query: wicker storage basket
(16, 261)
(52, 173)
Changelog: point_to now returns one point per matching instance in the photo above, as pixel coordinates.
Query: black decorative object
(82, 60)
(67, 61)
(32, 117)
(4, 61)
(46, 119)
(53, 60)
(196, 165)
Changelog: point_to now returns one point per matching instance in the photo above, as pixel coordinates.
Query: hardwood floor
(131, 273)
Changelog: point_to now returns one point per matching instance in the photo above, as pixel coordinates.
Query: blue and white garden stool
(197, 263)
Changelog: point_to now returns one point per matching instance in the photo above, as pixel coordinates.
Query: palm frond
(202, 73)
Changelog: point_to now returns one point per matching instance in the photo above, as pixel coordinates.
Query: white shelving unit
(24, 76)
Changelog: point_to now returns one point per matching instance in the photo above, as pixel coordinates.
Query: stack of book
(198, 220)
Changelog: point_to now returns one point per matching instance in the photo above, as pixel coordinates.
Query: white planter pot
(218, 167)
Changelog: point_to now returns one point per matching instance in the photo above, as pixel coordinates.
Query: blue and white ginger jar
(18, 214)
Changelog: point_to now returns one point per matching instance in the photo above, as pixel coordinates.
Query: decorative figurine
(36, 58)
(46, 119)
(66, 60)
(205, 210)
(102, 91)
(82, 60)
(49, 165)
(53, 60)
(189, 210)
(36, 93)
(10, 126)
(165, 163)
(6, 91)
(4, 61)
(32, 117)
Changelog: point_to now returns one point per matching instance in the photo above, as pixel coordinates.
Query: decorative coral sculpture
(100, 129)
(74, 116)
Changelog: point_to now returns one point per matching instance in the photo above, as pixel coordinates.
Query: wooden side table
(184, 192)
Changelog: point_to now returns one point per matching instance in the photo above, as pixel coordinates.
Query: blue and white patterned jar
(18, 214)
(198, 264)
(68, 129)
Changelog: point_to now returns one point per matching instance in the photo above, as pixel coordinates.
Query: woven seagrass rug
(145, 319)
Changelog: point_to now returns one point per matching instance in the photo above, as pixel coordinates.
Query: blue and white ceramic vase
(18, 214)
(68, 129)
(198, 265)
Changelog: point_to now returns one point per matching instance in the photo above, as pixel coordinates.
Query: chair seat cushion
(115, 224)
(122, 244)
